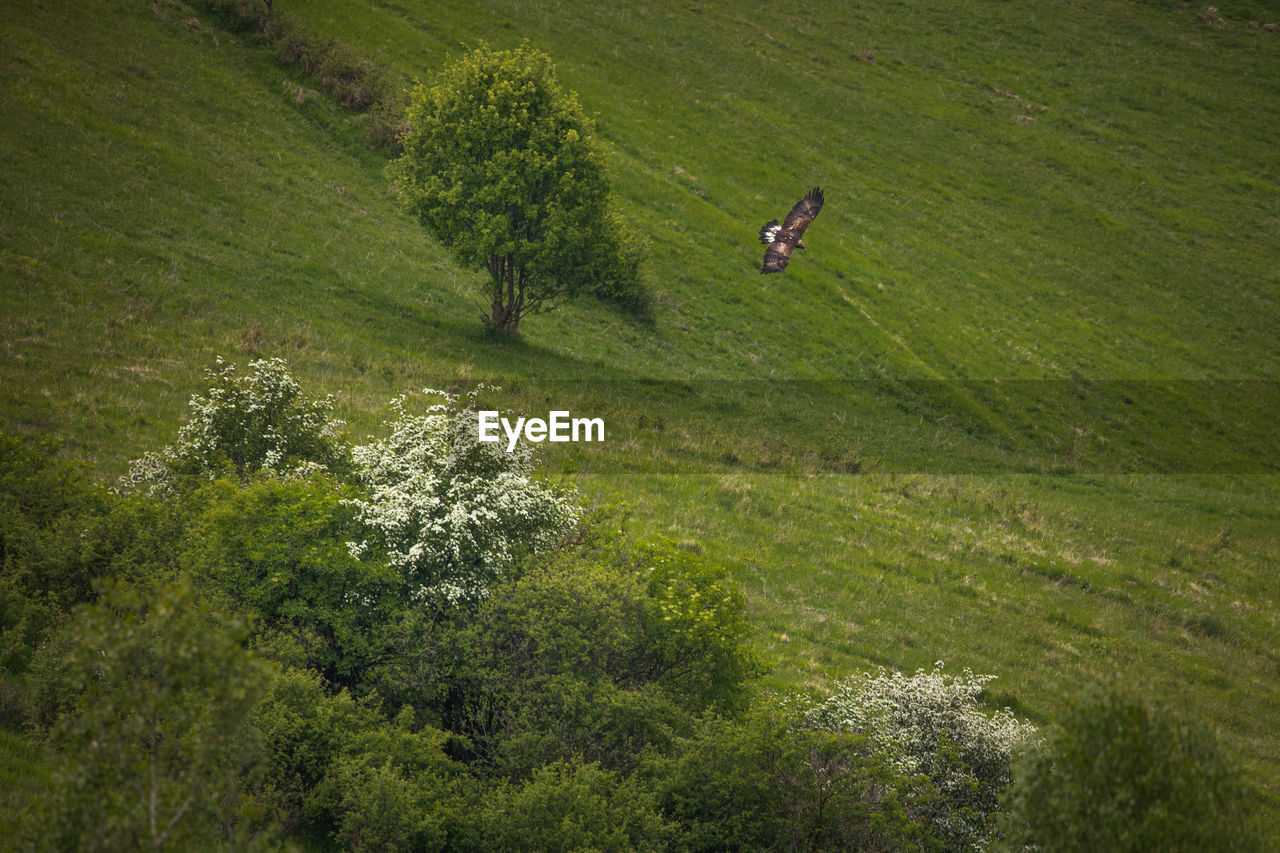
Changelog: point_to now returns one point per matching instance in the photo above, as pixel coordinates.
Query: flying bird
(781, 240)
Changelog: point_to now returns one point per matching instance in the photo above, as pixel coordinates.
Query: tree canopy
(499, 164)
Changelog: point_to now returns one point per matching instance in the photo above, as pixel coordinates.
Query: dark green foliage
(60, 534)
(338, 768)
(595, 656)
(277, 549)
(571, 807)
(45, 508)
(765, 784)
(156, 747)
(1123, 774)
(500, 166)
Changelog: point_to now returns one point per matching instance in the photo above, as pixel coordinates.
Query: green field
(1013, 409)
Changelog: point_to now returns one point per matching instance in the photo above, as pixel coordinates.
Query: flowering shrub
(929, 724)
(452, 513)
(258, 422)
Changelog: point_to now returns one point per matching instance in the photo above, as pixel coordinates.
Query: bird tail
(769, 231)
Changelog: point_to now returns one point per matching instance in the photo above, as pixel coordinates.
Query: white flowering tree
(256, 422)
(450, 513)
(930, 723)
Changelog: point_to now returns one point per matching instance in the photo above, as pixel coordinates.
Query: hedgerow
(415, 643)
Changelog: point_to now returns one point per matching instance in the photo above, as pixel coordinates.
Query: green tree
(499, 165)
(571, 807)
(338, 768)
(588, 656)
(278, 550)
(158, 750)
(765, 783)
(1122, 774)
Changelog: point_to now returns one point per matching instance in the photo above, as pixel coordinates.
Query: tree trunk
(508, 295)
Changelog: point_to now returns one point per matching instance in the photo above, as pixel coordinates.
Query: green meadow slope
(1014, 408)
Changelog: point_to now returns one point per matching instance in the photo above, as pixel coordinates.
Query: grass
(25, 769)
(1013, 409)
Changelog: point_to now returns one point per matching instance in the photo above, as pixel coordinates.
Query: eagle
(780, 240)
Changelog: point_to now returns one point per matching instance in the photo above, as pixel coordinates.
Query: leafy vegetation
(943, 438)
(155, 742)
(499, 164)
(1121, 774)
(572, 693)
(449, 511)
(247, 424)
(928, 724)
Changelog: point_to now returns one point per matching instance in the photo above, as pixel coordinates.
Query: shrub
(156, 745)
(46, 508)
(765, 783)
(277, 549)
(338, 767)
(696, 630)
(393, 788)
(60, 535)
(929, 723)
(450, 513)
(1119, 773)
(585, 656)
(570, 807)
(250, 424)
(355, 81)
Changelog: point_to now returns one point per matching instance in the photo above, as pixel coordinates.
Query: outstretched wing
(803, 213)
(776, 256)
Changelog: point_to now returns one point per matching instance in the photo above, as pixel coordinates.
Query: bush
(695, 631)
(156, 745)
(587, 656)
(1119, 773)
(765, 783)
(338, 768)
(60, 535)
(355, 81)
(277, 549)
(451, 514)
(929, 723)
(47, 508)
(248, 424)
(570, 807)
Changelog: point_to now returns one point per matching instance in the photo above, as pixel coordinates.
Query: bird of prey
(780, 240)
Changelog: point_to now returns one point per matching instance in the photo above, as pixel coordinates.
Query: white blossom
(930, 723)
(449, 512)
(259, 422)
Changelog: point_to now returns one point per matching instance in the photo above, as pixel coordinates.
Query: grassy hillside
(1013, 409)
